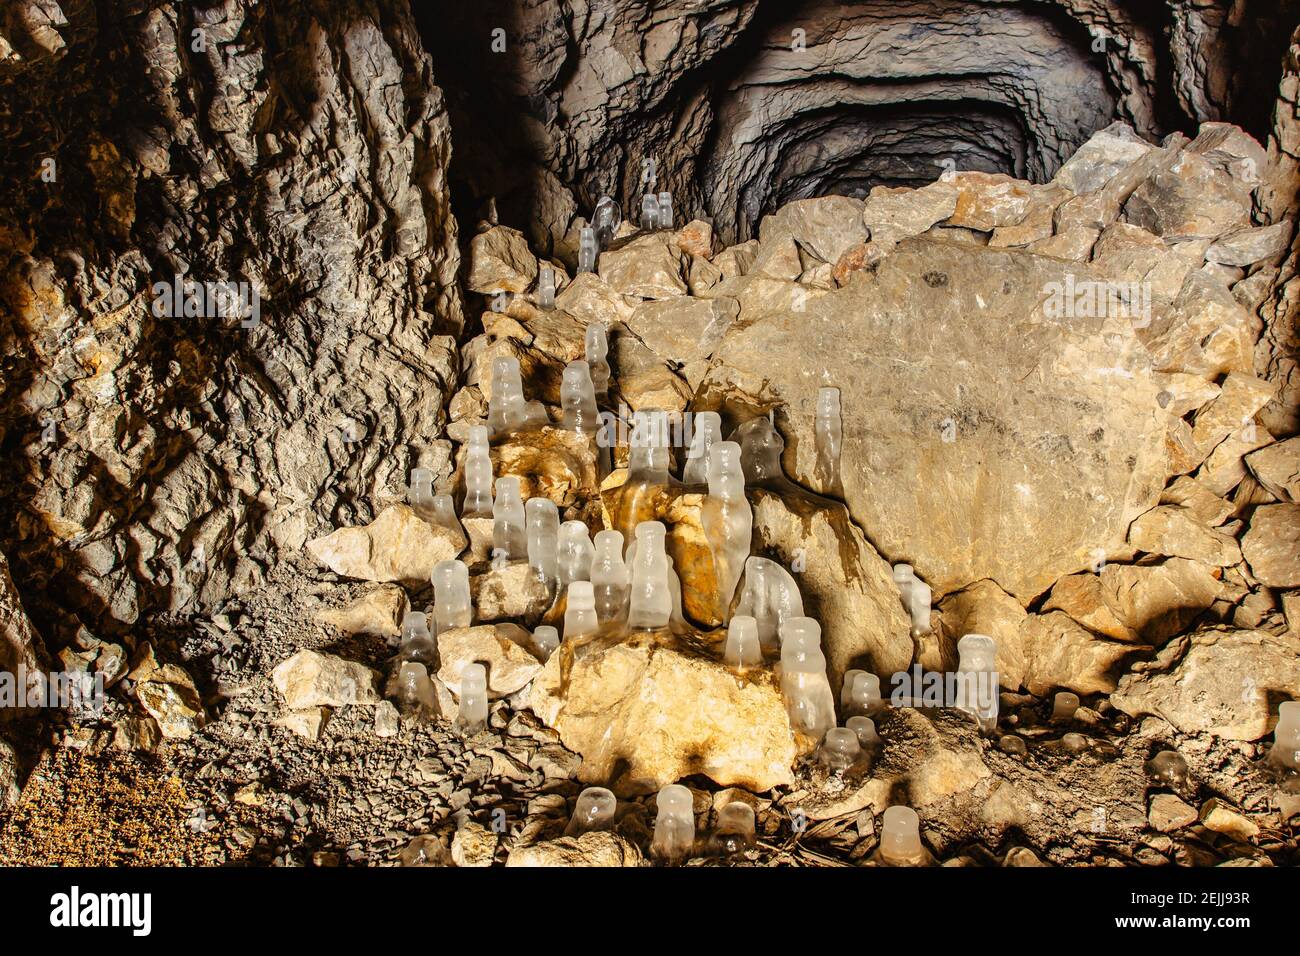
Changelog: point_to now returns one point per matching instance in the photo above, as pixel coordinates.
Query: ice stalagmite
(915, 595)
(609, 576)
(1064, 704)
(605, 220)
(706, 432)
(861, 694)
(478, 475)
(742, 650)
(727, 519)
(770, 597)
(865, 728)
(507, 408)
(674, 837)
(546, 639)
(665, 210)
(451, 600)
(509, 539)
(580, 611)
(444, 512)
(543, 520)
(651, 601)
(419, 493)
(576, 553)
(588, 249)
(735, 830)
(977, 679)
(808, 698)
(647, 473)
(597, 351)
(1285, 751)
(649, 212)
(473, 713)
(412, 690)
(546, 287)
(840, 749)
(417, 643)
(900, 839)
(578, 399)
(594, 810)
(829, 439)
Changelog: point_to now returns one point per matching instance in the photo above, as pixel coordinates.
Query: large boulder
(973, 419)
(1217, 680)
(398, 545)
(651, 709)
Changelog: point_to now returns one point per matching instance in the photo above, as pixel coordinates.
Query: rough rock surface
(311, 679)
(1218, 680)
(609, 702)
(398, 545)
(959, 429)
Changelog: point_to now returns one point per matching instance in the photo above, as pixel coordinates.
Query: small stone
(136, 733)
(387, 721)
(473, 845)
(308, 722)
(648, 267)
(513, 591)
(1250, 246)
(1271, 546)
(1168, 812)
(500, 261)
(312, 679)
(378, 611)
(601, 848)
(398, 545)
(1222, 818)
(502, 647)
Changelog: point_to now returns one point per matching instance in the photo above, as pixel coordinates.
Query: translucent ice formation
(760, 452)
(507, 408)
(649, 212)
(412, 690)
(770, 597)
(578, 398)
(580, 611)
(417, 643)
(509, 538)
(609, 576)
(1169, 769)
(977, 679)
(575, 552)
(727, 519)
(707, 430)
(1285, 751)
(543, 520)
(742, 650)
(916, 596)
(647, 457)
(1074, 743)
(473, 713)
(451, 601)
(419, 493)
(674, 825)
(840, 749)
(900, 838)
(735, 830)
(807, 692)
(829, 439)
(651, 602)
(478, 475)
(605, 220)
(861, 694)
(1063, 706)
(596, 351)
(594, 810)
(546, 639)
(588, 249)
(865, 728)
(665, 210)
(444, 512)
(546, 287)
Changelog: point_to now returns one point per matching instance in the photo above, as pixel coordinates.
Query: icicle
(546, 639)
(840, 749)
(507, 409)
(900, 838)
(509, 539)
(605, 220)
(417, 643)
(735, 831)
(649, 212)
(597, 348)
(546, 287)
(1285, 751)
(419, 494)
